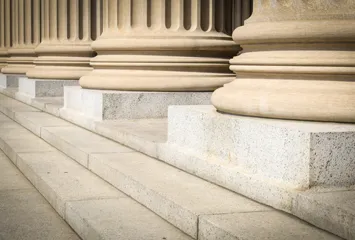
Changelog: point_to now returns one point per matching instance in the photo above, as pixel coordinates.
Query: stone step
(25, 213)
(178, 197)
(258, 225)
(93, 208)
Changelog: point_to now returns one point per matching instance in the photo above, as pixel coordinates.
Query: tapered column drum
(67, 32)
(25, 34)
(165, 45)
(298, 62)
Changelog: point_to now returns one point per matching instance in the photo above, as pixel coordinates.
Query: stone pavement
(24, 213)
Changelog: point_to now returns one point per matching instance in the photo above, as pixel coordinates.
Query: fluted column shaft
(5, 31)
(163, 45)
(67, 32)
(25, 34)
(298, 62)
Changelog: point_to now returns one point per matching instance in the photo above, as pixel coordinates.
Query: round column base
(60, 67)
(315, 100)
(136, 80)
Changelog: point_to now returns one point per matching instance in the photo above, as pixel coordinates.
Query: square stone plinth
(109, 105)
(43, 87)
(9, 80)
(299, 154)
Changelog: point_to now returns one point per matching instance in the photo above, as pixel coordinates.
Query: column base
(34, 88)
(109, 105)
(9, 80)
(58, 72)
(296, 154)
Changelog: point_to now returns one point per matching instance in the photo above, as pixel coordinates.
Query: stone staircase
(105, 190)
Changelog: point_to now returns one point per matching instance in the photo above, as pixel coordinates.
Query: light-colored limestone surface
(24, 213)
(8, 81)
(299, 154)
(5, 31)
(297, 62)
(43, 87)
(258, 225)
(71, 190)
(25, 35)
(79, 143)
(110, 105)
(68, 28)
(329, 210)
(119, 219)
(163, 45)
(175, 195)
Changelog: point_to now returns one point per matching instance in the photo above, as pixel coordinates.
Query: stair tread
(119, 219)
(69, 187)
(259, 225)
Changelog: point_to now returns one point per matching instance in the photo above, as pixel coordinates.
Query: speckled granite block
(297, 153)
(109, 105)
(44, 87)
(9, 80)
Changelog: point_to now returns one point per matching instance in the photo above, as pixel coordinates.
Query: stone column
(67, 32)
(25, 23)
(163, 45)
(5, 31)
(298, 62)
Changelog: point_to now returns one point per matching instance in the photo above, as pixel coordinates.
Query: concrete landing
(24, 213)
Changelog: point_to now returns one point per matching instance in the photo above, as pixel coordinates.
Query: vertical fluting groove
(228, 12)
(62, 20)
(81, 19)
(149, 12)
(68, 18)
(16, 22)
(8, 28)
(237, 14)
(157, 14)
(96, 16)
(246, 12)
(139, 13)
(219, 16)
(2, 23)
(27, 21)
(187, 14)
(168, 14)
(53, 20)
(21, 14)
(206, 15)
(36, 36)
(74, 22)
(42, 19)
(46, 19)
(32, 22)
